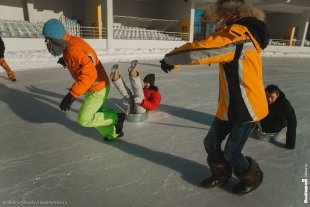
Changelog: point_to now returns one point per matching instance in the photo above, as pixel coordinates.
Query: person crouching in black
(281, 114)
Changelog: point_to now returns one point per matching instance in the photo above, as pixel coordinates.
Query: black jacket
(1, 48)
(281, 114)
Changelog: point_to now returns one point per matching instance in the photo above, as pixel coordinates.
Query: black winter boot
(221, 172)
(250, 179)
(119, 124)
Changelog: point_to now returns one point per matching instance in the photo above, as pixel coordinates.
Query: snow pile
(36, 59)
(286, 54)
(116, 55)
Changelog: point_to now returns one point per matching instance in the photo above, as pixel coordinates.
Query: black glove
(165, 67)
(62, 62)
(66, 102)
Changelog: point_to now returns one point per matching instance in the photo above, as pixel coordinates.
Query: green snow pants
(93, 114)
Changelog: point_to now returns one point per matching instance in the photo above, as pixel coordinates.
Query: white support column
(303, 25)
(109, 22)
(305, 34)
(192, 21)
(30, 9)
(99, 19)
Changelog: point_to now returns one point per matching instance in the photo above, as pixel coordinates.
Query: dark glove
(66, 102)
(165, 67)
(62, 62)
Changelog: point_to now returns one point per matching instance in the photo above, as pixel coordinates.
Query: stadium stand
(136, 33)
(25, 29)
(20, 29)
(128, 27)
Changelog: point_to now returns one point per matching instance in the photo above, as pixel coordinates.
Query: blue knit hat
(53, 28)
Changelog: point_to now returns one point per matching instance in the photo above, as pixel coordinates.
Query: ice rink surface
(46, 158)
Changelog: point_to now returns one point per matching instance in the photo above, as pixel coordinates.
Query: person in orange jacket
(90, 79)
(142, 98)
(236, 46)
(4, 64)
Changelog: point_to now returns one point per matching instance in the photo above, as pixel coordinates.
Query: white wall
(12, 9)
(40, 11)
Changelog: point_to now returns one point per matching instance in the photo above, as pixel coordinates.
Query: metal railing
(27, 30)
(88, 32)
(135, 33)
(285, 42)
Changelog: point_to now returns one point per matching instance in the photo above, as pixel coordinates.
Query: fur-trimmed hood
(214, 12)
(236, 12)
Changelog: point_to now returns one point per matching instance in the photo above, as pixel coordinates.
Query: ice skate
(118, 127)
(114, 72)
(119, 124)
(111, 139)
(132, 68)
(11, 75)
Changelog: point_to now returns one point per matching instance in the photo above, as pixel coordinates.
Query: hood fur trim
(214, 12)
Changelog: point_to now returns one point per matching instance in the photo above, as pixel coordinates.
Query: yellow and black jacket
(236, 47)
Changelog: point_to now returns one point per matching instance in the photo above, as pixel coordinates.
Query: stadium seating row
(22, 29)
(25, 29)
(124, 32)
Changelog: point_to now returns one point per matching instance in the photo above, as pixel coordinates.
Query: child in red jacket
(142, 98)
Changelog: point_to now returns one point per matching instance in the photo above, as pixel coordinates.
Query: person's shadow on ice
(32, 107)
(35, 108)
